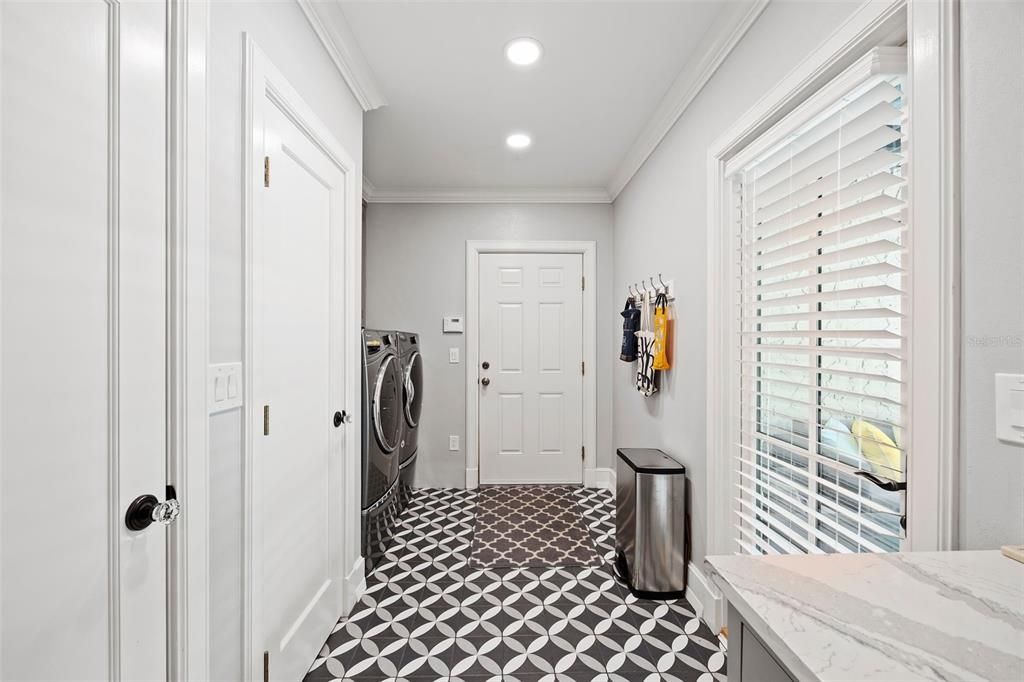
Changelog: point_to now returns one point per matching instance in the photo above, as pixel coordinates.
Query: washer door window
(414, 389)
(387, 401)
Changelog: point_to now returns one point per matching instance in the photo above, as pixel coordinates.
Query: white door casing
(531, 338)
(301, 498)
(83, 277)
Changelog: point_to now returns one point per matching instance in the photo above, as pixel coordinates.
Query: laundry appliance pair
(392, 403)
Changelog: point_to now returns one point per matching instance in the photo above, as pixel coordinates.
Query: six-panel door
(531, 393)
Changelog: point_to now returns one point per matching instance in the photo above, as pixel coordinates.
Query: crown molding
(581, 195)
(718, 44)
(368, 189)
(330, 26)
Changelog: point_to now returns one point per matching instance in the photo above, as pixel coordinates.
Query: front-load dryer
(412, 404)
(383, 425)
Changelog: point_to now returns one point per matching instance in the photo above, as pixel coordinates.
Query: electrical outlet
(453, 356)
(453, 443)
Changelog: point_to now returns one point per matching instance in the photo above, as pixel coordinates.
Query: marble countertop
(908, 616)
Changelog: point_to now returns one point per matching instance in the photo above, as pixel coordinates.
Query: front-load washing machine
(383, 425)
(412, 405)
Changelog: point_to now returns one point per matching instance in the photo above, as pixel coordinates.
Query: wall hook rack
(638, 290)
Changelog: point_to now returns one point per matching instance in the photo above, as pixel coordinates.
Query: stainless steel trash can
(650, 519)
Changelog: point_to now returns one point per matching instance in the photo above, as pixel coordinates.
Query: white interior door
(83, 280)
(531, 368)
(299, 379)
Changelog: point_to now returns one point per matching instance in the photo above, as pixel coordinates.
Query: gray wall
(992, 497)
(281, 31)
(416, 273)
(661, 224)
(666, 205)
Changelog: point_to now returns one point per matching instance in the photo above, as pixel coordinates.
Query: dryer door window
(387, 404)
(414, 389)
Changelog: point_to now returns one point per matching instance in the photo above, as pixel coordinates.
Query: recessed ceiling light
(523, 51)
(518, 140)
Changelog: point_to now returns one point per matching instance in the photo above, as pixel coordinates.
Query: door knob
(486, 365)
(146, 510)
(485, 381)
(342, 417)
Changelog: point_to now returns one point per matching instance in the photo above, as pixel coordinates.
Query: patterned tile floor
(428, 615)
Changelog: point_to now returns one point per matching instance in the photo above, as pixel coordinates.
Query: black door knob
(146, 510)
(342, 417)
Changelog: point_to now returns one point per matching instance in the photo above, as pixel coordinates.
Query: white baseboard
(355, 584)
(599, 478)
(472, 478)
(705, 598)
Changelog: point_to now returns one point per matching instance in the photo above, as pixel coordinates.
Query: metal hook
(633, 294)
(653, 286)
(663, 285)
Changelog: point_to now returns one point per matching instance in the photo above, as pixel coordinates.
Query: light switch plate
(453, 324)
(453, 443)
(453, 356)
(224, 387)
(1010, 408)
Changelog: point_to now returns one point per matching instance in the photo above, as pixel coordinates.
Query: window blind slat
(837, 509)
(879, 247)
(865, 375)
(855, 150)
(882, 92)
(845, 314)
(831, 202)
(871, 228)
(871, 208)
(860, 293)
(875, 507)
(750, 487)
(784, 197)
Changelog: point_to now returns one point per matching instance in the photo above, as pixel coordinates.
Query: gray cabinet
(749, 659)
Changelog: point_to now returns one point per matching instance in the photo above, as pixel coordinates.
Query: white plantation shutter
(822, 314)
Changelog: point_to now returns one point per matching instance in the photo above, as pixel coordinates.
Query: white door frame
(588, 250)
(261, 78)
(931, 30)
(188, 340)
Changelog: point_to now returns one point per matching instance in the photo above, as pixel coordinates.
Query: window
(822, 236)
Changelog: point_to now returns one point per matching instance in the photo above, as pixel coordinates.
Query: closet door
(83, 281)
(299, 376)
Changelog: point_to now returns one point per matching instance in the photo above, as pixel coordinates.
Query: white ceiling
(452, 98)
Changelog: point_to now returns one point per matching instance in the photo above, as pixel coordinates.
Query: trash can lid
(650, 461)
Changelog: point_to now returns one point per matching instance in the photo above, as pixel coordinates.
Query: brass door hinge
(266, 420)
(266, 171)
(266, 666)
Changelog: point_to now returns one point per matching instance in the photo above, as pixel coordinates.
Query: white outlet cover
(1010, 408)
(453, 356)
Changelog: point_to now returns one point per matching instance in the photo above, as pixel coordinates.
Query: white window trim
(932, 36)
(587, 249)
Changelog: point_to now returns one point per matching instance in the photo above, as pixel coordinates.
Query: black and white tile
(429, 614)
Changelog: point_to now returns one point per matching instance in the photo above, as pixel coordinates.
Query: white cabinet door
(83, 271)
(531, 339)
(299, 375)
